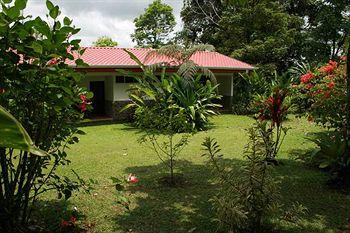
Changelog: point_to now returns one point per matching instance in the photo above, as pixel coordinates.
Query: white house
(109, 89)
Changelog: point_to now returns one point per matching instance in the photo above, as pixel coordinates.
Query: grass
(112, 150)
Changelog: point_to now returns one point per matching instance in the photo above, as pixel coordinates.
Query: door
(98, 101)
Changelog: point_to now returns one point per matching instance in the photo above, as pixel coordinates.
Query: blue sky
(97, 18)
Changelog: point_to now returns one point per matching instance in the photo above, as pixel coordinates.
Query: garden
(180, 166)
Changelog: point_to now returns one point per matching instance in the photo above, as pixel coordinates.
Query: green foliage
(187, 106)
(154, 25)
(42, 93)
(248, 196)
(330, 155)
(167, 105)
(271, 34)
(105, 41)
(246, 89)
(258, 32)
(13, 135)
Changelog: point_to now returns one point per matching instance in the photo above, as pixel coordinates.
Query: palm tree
(180, 57)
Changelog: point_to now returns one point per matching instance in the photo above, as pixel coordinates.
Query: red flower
(331, 85)
(329, 68)
(84, 102)
(327, 94)
(73, 219)
(132, 179)
(307, 77)
(64, 224)
(52, 62)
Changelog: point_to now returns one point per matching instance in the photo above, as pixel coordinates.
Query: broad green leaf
(7, 1)
(80, 62)
(67, 21)
(13, 12)
(54, 12)
(324, 165)
(21, 4)
(13, 135)
(37, 47)
(49, 5)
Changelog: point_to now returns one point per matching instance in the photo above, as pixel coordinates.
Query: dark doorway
(98, 101)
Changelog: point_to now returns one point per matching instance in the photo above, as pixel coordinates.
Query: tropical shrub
(245, 90)
(323, 90)
(42, 93)
(274, 109)
(248, 195)
(167, 105)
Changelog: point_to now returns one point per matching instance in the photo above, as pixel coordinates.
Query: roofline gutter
(136, 66)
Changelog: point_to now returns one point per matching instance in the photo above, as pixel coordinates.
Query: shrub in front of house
(42, 92)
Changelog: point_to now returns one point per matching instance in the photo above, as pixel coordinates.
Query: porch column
(231, 92)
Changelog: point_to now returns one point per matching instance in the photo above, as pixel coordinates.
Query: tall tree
(154, 25)
(258, 32)
(326, 26)
(270, 33)
(105, 41)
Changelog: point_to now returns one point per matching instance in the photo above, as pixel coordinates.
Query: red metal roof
(108, 57)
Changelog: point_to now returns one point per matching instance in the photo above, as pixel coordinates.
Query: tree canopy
(272, 34)
(154, 25)
(105, 41)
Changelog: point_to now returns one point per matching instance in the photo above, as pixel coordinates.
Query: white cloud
(97, 18)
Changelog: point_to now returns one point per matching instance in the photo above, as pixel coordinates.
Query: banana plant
(13, 135)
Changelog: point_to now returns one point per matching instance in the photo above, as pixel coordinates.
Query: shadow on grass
(188, 209)
(185, 208)
(305, 185)
(48, 215)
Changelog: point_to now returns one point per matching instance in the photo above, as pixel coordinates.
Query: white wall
(113, 91)
(118, 91)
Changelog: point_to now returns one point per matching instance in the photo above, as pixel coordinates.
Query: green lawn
(112, 150)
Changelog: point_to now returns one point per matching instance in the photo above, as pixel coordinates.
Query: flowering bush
(320, 91)
(325, 102)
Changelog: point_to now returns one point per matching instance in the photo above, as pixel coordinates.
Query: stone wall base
(122, 116)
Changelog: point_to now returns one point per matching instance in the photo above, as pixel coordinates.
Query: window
(125, 79)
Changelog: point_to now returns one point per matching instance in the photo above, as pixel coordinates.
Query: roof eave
(136, 66)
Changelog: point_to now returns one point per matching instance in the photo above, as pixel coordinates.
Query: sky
(97, 18)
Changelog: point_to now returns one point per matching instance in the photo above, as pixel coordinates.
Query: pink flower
(344, 58)
(132, 179)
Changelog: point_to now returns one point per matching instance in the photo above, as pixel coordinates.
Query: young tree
(105, 41)
(154, 25)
